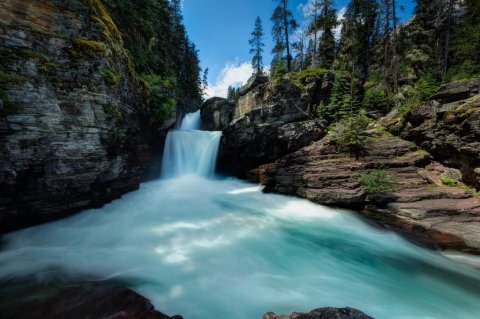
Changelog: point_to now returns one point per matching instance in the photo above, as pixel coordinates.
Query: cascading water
(189, 150)
(213, 248)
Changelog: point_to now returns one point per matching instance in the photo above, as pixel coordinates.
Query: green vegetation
(378, 181)
(471, 190)
(450, 182)
(10, 78)
(9, 107)
(161, 104)
(298, 77)
(350, 133)
(91, 46)
(113, 111)
(375, 99)
(110, 77)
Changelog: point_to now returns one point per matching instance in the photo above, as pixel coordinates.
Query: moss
(103, 20)
(298, 78)
(92, 46)
(113, 111)
(9, 107)
(44, 63)
(462, 111)
(10, 78)
(110, 77)
(471, 190)
(450, 182)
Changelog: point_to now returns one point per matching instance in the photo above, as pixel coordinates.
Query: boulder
(217, 114)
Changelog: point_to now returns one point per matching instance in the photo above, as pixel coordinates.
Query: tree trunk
(289, 57)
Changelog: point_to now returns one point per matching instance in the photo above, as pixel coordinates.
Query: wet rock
(79, 301)
(322, 313)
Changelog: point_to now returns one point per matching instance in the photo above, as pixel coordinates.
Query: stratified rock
(322, 313)
(74, 129)
(217, 113)
(421, 207)
(449, 128)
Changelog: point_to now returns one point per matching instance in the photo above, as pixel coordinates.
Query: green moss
(10, 78)
(378, 181)
(471, 190)
(44, 63)
(463, 111)
(9, 107)
(105, 23)
(298, 78)
(113, 111)
(110, 77)
(450, 182)
(91, 46)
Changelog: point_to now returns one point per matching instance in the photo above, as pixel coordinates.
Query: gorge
(345, 175)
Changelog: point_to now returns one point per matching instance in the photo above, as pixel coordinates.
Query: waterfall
(189, 150)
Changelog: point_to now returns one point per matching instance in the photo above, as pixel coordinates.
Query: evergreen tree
(256, 46)
(283, 25)
(357, 37)
(327, 22)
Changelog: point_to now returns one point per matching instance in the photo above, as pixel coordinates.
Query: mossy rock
(8, 79)
(110, 77)
(7, 106)
(91, 46)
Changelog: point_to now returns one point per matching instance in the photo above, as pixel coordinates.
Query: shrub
(450, 182)
(278, 71)
(378, 181)
(426, 86)
(298, 78)
(350, 133)
(376, 100)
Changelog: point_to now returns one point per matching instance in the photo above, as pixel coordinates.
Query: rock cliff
(74, 128)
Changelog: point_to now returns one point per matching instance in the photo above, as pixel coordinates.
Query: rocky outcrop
(268, 121)
(420, 206)
(322, 313)
(78, 301)
(217, 114)
(448, 127)
(74, 128)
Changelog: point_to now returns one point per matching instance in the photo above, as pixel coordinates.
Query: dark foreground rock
(79, 301)
(322, 313)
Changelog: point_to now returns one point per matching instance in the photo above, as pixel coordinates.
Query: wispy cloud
(234, 74)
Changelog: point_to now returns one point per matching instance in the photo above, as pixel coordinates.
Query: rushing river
(211, 248)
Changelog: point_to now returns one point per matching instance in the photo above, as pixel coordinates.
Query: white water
(208, 249)
(189, 150)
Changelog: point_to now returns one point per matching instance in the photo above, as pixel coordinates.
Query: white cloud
(340, 16)
(235, 74)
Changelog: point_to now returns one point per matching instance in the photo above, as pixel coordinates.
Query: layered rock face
(267, 122)
(73, 124)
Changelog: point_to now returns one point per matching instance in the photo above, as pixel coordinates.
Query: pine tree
(283, 25)
(357, 37)
(256, 46)
(327, 22)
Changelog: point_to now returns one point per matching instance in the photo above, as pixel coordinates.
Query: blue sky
(221, 30)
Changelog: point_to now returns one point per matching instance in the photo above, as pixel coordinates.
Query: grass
(471, 190)
(90, 45)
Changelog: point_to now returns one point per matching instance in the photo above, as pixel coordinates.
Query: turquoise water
(222, 249)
